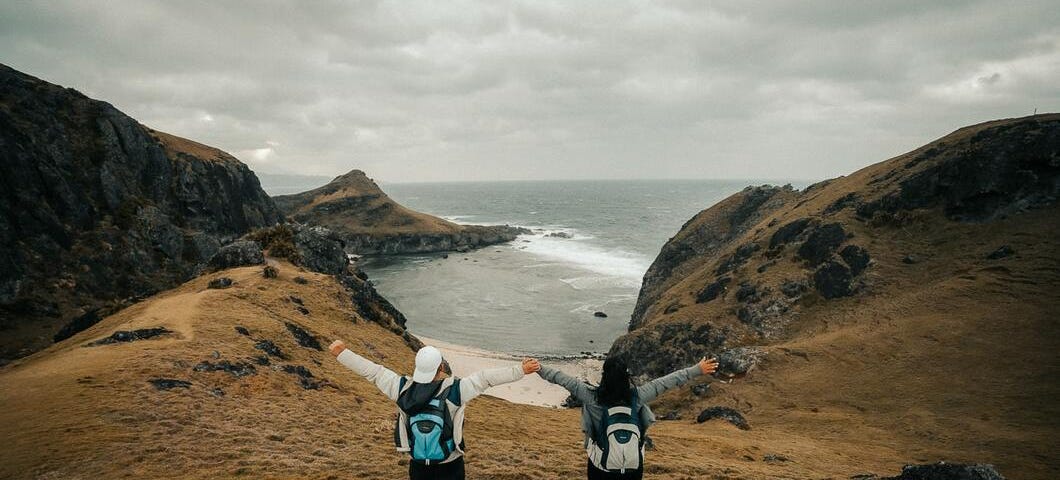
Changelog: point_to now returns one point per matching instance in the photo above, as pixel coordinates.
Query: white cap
(427, 361)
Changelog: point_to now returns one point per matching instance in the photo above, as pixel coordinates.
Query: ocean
(537, 295)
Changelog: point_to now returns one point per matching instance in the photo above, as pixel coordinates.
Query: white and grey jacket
(471, 386)
(593, 412)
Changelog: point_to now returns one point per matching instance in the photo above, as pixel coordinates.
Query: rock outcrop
(369, 222)
(96, 208)
(739, 272)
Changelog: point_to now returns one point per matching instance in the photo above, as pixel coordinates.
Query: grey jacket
(593, 413)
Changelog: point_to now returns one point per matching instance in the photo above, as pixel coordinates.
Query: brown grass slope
(77, 411)
(953, 357)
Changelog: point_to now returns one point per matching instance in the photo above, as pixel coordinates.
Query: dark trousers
(453, 470)
(597, 474)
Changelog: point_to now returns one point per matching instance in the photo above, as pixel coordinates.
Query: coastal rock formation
(96, 208)
(369, 222)
(817, 238)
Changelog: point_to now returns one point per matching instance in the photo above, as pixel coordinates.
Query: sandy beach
(532, 389)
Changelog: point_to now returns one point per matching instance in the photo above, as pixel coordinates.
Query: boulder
(270, 348)
(303, 337)
(787, 233)
(724, 413)
(833, 280)
(124, 336)
(238, 369)
(599, 314)
(220, 282)
(821, 242)
(793, 288)
(169, 383)
(738, 361)
(270, 272)
(713, 290)
(949, 471)
(747, 292)
(320, 250)
(911, 259)
(856, 257)
(237, 254)
(558, 235)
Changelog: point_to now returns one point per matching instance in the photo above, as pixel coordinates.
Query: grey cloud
(414, 91)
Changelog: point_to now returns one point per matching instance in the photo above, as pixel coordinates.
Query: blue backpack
(621, 438)
(430, 431)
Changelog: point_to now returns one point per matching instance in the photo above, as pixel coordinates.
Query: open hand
(337, 347)
(531, 365)
(708, 366)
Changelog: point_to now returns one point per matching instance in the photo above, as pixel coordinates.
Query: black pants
(453, 470)
(597, 474)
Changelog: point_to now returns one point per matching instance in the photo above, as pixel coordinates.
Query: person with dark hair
(615, 415)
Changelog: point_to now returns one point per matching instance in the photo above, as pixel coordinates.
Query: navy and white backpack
(428, 433)
(621, 438)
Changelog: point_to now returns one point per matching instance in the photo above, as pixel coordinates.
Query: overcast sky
(454, 90)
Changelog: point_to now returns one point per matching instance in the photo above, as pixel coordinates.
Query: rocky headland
(371, 223)
(97, 210)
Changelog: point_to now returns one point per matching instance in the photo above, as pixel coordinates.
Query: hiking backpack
(621, 438)
(429, 432)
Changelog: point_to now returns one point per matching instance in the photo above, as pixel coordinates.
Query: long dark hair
(615, 387)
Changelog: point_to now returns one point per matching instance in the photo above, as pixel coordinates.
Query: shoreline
(532, 389)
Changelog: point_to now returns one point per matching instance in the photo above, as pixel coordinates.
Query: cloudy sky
(458, 90)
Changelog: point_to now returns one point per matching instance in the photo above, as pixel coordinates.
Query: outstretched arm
(654, 388)
(576, 387)
(385, 379)
(476, 383)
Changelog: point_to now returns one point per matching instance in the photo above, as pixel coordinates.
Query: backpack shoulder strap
(454, 392)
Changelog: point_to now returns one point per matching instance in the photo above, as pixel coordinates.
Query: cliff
(370, 222)
(95, 208)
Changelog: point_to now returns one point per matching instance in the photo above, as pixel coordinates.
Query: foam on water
(615, 267)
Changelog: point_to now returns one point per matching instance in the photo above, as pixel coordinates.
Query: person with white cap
(430, 424)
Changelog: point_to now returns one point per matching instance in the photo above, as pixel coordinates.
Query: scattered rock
(702, 390)
(300, 280)
(303, 337)
(788, 232)
(296, 300)
(765, 317)
(242, 331)
(305, 377)
(649, 444)
(123, 336)
(738, 361)
(600, 314)
(949, 471)
(747, 293)
(558, 235)
(765, 266)
(445, 256)
(169, 383)
(833, 279)
(738, 258)
(237, 254)
(774, 458)
(220, 282)
(724, 413)
(821, 242)
(238, 369)
(1002, 252)
(302, 310)
(270, 348)
(262, 360)
(713, 290)
(671, 415)
(673, 307)
(270, 272)
(856, 257)
(217, 392)
(911, 259)
(793, 288)
(463, 249)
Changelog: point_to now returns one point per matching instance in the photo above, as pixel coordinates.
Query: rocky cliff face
(742, 272)
(370, 222)
(96, 208)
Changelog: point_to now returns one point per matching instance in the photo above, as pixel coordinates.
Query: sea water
(538, 294)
